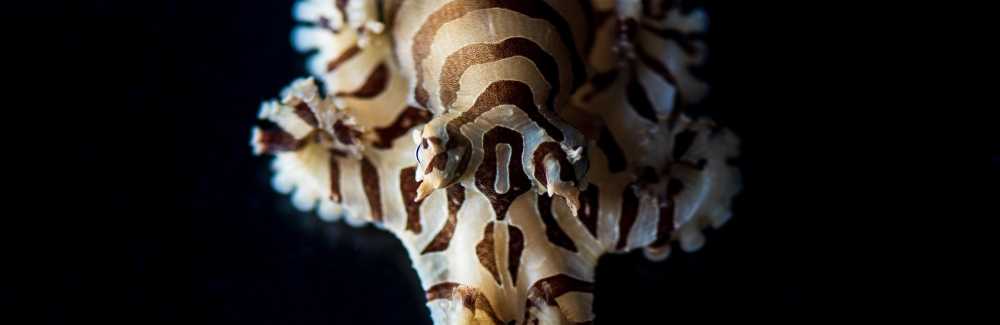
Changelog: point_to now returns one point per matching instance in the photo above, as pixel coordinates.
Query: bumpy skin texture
(508, 144)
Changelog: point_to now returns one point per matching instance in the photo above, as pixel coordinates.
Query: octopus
(507, 144)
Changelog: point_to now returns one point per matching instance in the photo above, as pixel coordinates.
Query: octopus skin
(507, 144)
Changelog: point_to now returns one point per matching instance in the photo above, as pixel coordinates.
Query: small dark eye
(416, 153)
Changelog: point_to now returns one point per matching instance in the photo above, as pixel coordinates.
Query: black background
(130, 194)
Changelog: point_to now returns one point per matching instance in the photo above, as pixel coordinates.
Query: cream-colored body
(507, 144)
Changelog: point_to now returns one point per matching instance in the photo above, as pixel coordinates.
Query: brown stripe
(498, 93)
(306, 114)
(639, 102)
(674, 186)
(334, 178)
(685, 42)
(325, 24)
(474, 299)
(630, 210)
(486, 174)
(456, 9)
(656, 66)
(649, 175)
(515, 248)
(441, 290)
(545, 149)
(591, 23)
(344, 133)
(458, 62)
(408, 187)
(369, 180)
(338, 153)
(486, 252)
(469, 295)
(560, 284)
(589, 208)
(665, 223)
(616, 158)
(342, 6)
(548, 289)
(373, 86)
(349, 53)
(601, 16)
(554, 233)
(657, 9)
(682, 142)
(677, 109)
(389, 14)
(277, 140)
(408, 118)
(600, 82)
(626, 27)
(456, 198)
(440, 160)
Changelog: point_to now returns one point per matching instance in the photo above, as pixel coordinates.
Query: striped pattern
(508, 144)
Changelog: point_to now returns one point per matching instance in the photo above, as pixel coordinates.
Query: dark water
(131, 196)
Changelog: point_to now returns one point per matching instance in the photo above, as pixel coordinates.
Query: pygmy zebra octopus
(508, 144)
